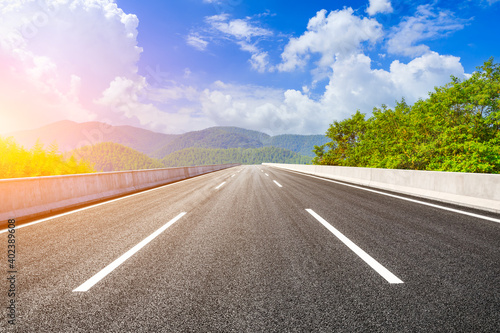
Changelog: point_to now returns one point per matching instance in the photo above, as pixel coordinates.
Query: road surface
(258, 249)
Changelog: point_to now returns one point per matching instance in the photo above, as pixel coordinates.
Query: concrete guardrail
(26, 198)
(475, 190)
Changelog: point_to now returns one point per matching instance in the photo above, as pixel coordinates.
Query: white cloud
(57, 57)
(197, 42)
(426, 24)
(30, 94)
(337, 35)
(89, 69)
(172, 93)
(352, 82)
(238, 28)
(260, 61)
(244, 46)
(135, 99)
(273, 111)
(243, 32)
(379, 6)
(355, 85)
(78, 60)
(217, 18)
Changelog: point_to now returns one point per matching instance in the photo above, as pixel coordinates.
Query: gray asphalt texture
(247, 257)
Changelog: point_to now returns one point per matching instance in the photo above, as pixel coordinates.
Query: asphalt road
(243, 250)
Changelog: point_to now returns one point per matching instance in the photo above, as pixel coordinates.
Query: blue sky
(164, 26)
(268, 65)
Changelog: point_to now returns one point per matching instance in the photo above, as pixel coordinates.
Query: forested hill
(109, 156)
(214, 137)
(456, 129)
(70, 135)
(298, 143)
(235, 137)
(207, 156)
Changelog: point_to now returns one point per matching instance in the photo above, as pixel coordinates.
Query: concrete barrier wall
(481, 191)
(24, 198)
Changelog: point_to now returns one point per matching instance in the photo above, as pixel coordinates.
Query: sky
(268, 65)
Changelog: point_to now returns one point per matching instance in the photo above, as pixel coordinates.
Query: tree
(345, 136)
(17, 162)
(456, 129)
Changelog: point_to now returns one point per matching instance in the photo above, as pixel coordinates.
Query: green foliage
(345, 136)
(456, 129)
(301, 144)
(17, 162)
(109, 156)
(207, 156)
(215, 137)
(234, 137)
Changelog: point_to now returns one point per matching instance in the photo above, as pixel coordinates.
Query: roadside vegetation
(206, 156)
(17, 162)
(456, 129)
(110, 156)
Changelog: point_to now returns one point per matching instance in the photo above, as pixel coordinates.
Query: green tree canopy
(456, 129)
(17, 162)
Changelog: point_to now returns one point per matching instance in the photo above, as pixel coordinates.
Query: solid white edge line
(403, 198)
(104, 203)
(108, 269)
(220, 186)
(384, 272)
(277, 183)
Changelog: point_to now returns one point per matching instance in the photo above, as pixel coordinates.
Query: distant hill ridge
(207, 156)
(70, 135)
(110, 156)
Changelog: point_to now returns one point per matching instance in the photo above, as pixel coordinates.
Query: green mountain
(70, 135)
(235, 137)
(214, 137)
(207, 156)
(302, 144)
(110, 156)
